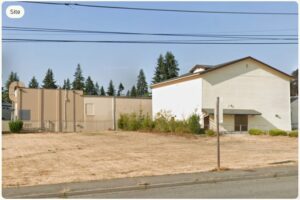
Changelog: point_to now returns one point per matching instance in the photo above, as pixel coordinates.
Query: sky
(122, 62)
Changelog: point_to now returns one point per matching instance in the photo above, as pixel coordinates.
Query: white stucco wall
(182, 98)
(251, 85)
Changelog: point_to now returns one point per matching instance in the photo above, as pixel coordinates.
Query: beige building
(253, 95)
(58, 110)
(102, 113)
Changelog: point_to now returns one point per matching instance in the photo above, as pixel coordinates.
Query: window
(89, 109)
(25, 114)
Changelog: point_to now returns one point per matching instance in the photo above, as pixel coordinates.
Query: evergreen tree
(294, 83)
(158, 74)
(133, 92)
(111, 89)
(49, 81)
(11, 78)
(171, 66)
(102, 91)
(120, 89)
(141, 86)
(97, 88)
(89, 87)
(67, 84)
(78, 83)
(166, 68)
(128, 93)
(33, 83)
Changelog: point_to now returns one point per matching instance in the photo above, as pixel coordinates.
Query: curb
(146, 186)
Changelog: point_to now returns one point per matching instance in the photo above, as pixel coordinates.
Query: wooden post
(218, 133)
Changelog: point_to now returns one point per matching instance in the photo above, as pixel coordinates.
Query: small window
(89, 109)
(25, 114)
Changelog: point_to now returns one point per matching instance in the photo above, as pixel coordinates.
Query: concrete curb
(68, 193)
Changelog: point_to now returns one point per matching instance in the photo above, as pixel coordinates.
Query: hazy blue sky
(121, 62)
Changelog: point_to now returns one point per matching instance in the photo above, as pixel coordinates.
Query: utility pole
(218, 132)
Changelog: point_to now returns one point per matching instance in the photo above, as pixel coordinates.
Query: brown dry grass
(45, 158)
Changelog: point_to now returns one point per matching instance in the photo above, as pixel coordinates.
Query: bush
(193, 123)
(162, 122)
(293, 134)
(277, 132)
(210, 133)
(181, 127)
(254, 131)
(15, 126)
(147, 123)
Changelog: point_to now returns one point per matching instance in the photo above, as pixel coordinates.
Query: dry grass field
(45, 158)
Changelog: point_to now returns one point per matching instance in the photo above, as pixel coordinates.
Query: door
(206, 122)
(240, 122)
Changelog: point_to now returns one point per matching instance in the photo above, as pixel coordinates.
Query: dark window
(25, 115)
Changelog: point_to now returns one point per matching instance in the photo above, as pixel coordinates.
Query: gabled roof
(205, 67)
(210, 68)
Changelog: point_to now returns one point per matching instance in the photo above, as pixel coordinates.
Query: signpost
(217, 116)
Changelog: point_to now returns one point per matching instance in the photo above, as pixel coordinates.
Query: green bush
(182, 127)
(277, 132)
(147, 123)
(193, 123)
(164, 122)
(255, 131)
(210, 133)
(15, 126)
(293, 134)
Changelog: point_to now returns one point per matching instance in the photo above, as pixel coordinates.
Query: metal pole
(218, 133)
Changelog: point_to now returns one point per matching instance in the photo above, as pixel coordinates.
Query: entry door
(206, 122)
(240, 122)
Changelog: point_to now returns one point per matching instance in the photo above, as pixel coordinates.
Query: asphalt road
(268, 182)
(280, 187)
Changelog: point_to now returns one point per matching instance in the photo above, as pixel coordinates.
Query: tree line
(166, 68)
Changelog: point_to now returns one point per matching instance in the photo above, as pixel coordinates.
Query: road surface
(269, 182)
(281, 187)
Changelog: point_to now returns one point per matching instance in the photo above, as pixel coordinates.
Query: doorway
(240, 122)
(206, 122)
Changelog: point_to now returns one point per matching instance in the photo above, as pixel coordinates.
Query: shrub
(122, 121)
(181, 127)
(147, 123)
(193, 123)
(293, 134)
(277, 132)
(255, 131)
(15, 126)
(162, 122)
(210, 133)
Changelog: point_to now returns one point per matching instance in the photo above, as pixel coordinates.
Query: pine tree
(141, 86)
(133, 92)
(102, 91)
(294, 83)
(97, 89)
(67, 84)
(89, 87)
(78, 83)
(11, 78)
(111, 89)
(171, 66)
(120, 89)
(33, 83)
(49, 81)
(158, 74)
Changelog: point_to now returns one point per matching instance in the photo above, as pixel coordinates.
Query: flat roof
(233, 111)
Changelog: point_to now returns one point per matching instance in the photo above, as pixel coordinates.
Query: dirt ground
(45, 158)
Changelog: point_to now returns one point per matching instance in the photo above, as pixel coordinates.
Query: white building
(254, 95)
